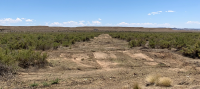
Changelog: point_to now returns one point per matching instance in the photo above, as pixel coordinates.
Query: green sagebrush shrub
(28, 58)
(43, 41)
(133, 43)
(187, 43)
(24, 49)
(24, 58)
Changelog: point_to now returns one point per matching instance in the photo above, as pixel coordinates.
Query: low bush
(28, 58)
(4, 69)
(164, 81)
(158, 80)
(24, 58)
(133, 43)
(152, 79)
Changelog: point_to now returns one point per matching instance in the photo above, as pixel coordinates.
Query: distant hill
(186, 29)
(87, 28)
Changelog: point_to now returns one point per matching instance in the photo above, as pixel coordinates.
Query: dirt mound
(138, 56)
(100, 55)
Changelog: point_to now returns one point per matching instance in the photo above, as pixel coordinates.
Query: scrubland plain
(99, 60)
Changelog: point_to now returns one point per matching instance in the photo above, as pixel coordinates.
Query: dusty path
(107, 63)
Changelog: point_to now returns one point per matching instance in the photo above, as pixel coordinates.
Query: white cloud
(193, 22)
(7, 21)
(144, 24)
(29, 20)
(56, 24)
(96, 22)
(74, 23)
(170, 11)
(154, 13)
(81, 23)
(70, 22)
(123, 23)
(18, 19)
(99, 19)
(158, 12)
(67, 24)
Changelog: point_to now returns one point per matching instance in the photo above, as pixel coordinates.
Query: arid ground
(108, 63)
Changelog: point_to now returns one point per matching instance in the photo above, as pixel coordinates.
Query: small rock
(148, 84)
(183, 83)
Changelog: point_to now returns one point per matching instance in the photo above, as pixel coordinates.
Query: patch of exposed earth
(108, 63)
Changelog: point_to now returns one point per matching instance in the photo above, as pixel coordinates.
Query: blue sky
(127, 13)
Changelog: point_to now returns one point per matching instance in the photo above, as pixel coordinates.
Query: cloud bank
(98, 23)
(8, 21)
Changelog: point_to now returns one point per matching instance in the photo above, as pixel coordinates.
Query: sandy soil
(108, 63)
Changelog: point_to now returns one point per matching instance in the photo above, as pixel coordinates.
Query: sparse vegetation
(45, 84)
(56, 81)
(152, 79)
(158, 80)
(164, 81)
(34, 85)
(162, 65)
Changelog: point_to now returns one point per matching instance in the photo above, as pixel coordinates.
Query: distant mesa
(90, 28)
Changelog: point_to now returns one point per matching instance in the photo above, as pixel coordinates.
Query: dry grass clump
(152, 79)
(164, 81)
(134, 86)
(158, 81)
(126, 87)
